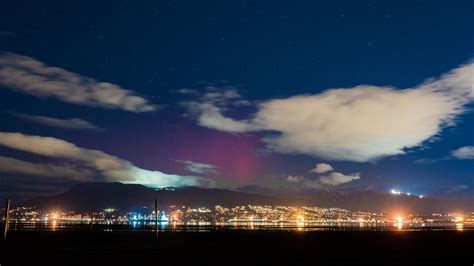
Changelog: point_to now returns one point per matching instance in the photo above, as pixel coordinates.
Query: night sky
(249, 95)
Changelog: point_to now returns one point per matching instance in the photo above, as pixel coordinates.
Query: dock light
(459, 219)
(300, 217)
(399, 219)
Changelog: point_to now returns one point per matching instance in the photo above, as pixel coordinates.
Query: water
(212, 227)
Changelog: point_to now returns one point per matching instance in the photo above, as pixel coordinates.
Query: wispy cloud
(199, 168)
(11, 165)
(72, 123)
(108, 167)
(4, 33)
(27, 75)
(186, 91)
(361, 124)
(294, 179)
(211, 106)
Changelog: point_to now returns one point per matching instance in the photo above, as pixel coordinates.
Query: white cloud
(107, 166)
(464, 153)
(211, 117)
(361, 124)
(335, 178)
(199, 168)
(11, 165)
(27, 75)
(327, 176)
(72, 123)
(321, 168)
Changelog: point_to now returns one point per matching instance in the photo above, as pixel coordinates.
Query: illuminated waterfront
(250, 217)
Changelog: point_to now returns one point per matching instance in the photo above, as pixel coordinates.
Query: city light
(399, 219)
(398, 192)
(245, 215)
(300, 218)
(395, 192)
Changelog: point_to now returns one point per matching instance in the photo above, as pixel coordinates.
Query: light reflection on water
(207, 226)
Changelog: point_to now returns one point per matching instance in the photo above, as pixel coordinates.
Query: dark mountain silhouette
(125, 197)
(370, 200)
(98, 196)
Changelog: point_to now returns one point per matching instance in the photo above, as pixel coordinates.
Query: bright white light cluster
(397, 192)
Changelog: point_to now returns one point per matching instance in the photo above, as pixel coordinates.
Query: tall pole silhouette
(156, 217)
(7, 218)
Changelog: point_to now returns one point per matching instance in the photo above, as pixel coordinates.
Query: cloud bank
(103, 165)
(360, 124)
(72, 123)
(27, 75)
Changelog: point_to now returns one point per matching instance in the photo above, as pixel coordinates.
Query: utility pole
(156, 217)
(91, 221)
(7, 218)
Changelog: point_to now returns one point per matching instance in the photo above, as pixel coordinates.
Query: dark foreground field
(238, 247)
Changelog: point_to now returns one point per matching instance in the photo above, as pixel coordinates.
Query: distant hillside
(125, 197)
(98, 196)
(384, 202)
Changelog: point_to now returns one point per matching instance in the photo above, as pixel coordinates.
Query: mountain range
(126, 197)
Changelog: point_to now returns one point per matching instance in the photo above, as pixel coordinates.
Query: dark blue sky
(262, 49)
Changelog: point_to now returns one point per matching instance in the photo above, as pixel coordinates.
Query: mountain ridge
(98, 196)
